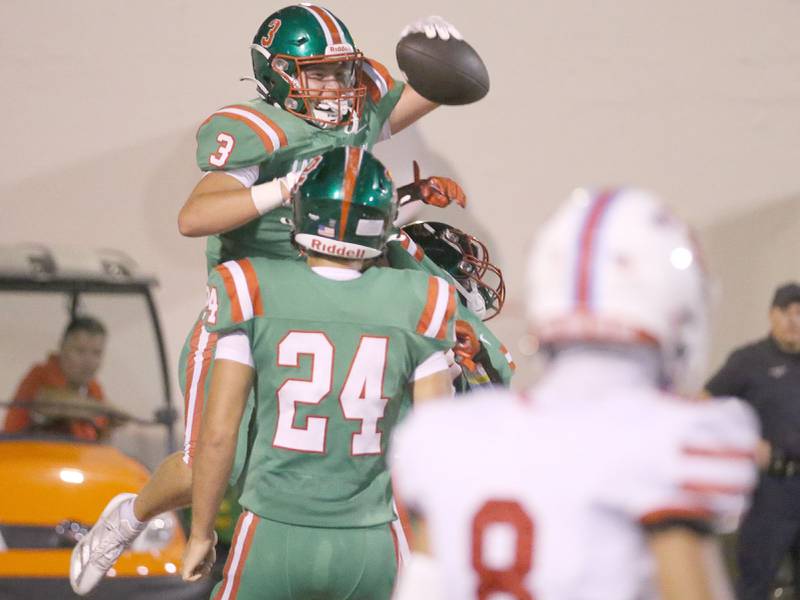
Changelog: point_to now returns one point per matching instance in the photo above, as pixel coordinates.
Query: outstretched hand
(436, 191)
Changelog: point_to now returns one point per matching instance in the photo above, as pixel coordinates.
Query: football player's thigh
(277, 561)
(353, 564)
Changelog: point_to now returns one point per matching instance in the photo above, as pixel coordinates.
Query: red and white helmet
(617, 266)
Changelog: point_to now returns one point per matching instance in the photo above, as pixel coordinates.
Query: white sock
(126, 512)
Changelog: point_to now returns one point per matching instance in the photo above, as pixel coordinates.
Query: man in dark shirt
(766, 373)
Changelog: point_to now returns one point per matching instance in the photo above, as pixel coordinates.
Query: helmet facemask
(479, 282)
(294, 91)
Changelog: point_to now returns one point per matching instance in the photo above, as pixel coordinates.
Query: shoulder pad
(437, 317)
(241, 135)
(234, 295)
(378, 80)
(411, 247)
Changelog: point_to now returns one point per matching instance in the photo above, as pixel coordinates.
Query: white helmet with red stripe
(618, 267)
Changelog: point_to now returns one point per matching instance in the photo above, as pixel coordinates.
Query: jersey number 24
(361, 397)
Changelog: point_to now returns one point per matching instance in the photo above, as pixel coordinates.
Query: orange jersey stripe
(252, 285)
(507, 354)
(322, 14)
(430, 305)
(701, 487)
(226, 570)
(405, 242)
(352, 164)
(383, 71)
(448, 315)
(248, 541)
(731, 453)
(233, 296)
(200, 399)
(374, 87)
(666, 514)
(276, 129)
(191, 365)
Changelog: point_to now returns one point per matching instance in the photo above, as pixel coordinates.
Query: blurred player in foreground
(330, 348)
(600, 482)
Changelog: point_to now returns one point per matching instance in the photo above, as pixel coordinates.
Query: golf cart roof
(38, 267)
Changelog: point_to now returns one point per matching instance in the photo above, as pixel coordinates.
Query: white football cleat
(100, 548)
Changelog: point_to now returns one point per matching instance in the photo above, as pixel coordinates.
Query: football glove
(467, 345)
(436, 191)
(433, 27)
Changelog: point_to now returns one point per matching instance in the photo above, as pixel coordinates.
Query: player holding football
(601, 482)
(330, 348)
(317, 92)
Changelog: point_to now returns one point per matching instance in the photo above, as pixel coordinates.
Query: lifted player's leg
(169, 488)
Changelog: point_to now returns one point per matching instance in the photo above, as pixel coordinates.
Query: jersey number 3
(223, 153)
(361, 397)
(511, 579)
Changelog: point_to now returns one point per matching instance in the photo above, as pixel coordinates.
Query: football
(443, 71)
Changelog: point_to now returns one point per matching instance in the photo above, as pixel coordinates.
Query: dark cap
(786, 295)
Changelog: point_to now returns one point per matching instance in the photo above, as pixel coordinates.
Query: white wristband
(267, 196)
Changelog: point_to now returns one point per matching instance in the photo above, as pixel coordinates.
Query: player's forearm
(210, 473)
(211, 468)
(410, 108)
(437, 385)
(216, 212)
(681, 566)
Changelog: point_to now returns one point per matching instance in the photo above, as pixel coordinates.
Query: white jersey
(544, 495)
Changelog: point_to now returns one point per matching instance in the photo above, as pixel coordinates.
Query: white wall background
(697, 100)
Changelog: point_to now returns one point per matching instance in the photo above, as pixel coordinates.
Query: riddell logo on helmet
(338, 49)
(266, 40)
(336, 249)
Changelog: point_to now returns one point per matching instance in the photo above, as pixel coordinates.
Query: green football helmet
(296, 52)
(479, 282)
(344, 204)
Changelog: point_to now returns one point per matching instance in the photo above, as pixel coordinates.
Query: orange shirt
(49, 374)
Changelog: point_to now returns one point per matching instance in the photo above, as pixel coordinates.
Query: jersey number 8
(511, 580)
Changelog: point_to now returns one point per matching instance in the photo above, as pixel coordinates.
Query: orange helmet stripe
(351, 167)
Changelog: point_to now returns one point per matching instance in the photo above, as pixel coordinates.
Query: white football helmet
(617, 266)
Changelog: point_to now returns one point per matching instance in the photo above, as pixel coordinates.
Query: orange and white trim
(269, 132)
(726, 453)
(438, 310)
(379, 81)
(399, 536)
(508, 357)
(240, 548)
(411, 247)
(352, 166)
(334, 34)
(673, 513)
(241, 285)
(201, 352)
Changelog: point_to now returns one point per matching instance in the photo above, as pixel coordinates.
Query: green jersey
(268, 140)
(333, 361)
(405, 254)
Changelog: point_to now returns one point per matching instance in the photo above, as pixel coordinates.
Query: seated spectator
(66, 377)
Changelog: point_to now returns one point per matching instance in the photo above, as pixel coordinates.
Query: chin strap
(262, 89)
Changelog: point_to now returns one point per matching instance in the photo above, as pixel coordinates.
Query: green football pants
(277, 561)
